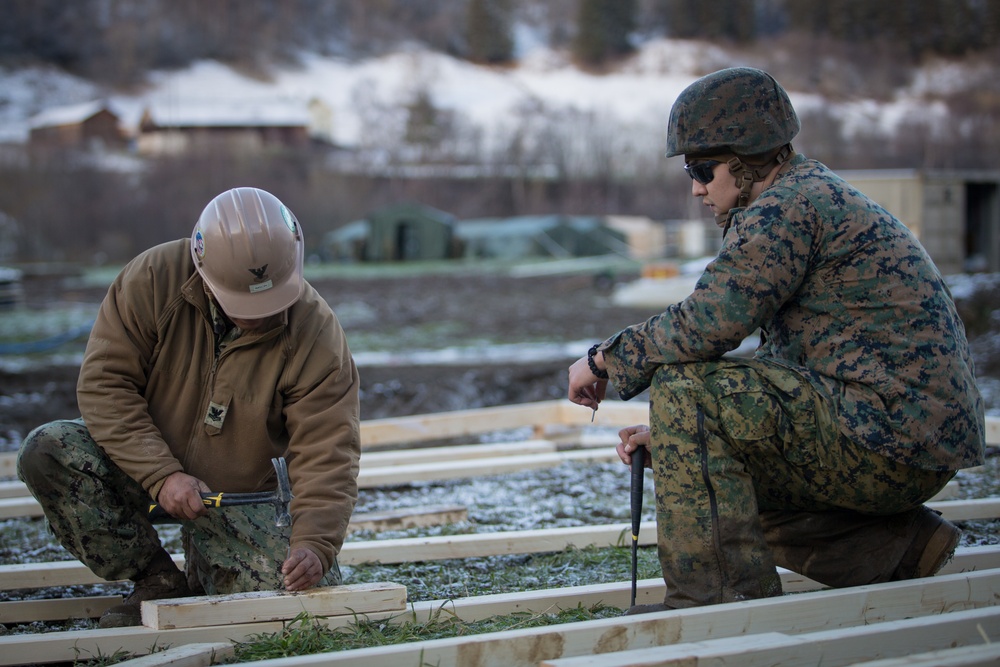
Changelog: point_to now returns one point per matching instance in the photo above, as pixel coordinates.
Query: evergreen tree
(603, 30)
(489, 31)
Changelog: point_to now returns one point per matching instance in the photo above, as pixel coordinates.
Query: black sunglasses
(701, 171)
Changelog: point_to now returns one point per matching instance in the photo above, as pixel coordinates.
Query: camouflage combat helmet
(741, 116)
(248, 248)
(740, 110)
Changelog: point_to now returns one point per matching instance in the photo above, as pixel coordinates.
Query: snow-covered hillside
(636, 98)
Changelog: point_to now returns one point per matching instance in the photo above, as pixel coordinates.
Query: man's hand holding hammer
(183, 496)
(631, 438)
(180, 496)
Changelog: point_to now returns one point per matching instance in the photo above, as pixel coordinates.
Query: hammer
(279, 499)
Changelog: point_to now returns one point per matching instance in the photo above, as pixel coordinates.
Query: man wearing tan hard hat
(210, 359)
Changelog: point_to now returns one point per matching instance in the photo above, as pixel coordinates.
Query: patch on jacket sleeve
(216, 415)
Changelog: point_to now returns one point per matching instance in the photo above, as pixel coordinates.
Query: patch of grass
(305, 634)
(101, 660)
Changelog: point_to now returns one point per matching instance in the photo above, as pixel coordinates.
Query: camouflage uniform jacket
(845, 295)
(158, 399)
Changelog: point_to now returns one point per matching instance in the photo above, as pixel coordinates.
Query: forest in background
(68, 207)
(118, 41)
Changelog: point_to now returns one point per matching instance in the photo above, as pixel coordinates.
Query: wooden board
(411, 517)
(983, 655)
(272, 605)
(189, 655)
(371, 477)
(830, 648)
(7, 464)
(409, 456)
(950, 491)
(968, 510)
(14, 489)
(404, 550)
(60, 609)
(22, 507)
(460, 423)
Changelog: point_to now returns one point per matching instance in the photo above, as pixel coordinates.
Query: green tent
(409, 232)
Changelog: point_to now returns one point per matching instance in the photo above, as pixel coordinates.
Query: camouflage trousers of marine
(98, 513)
(751, 471)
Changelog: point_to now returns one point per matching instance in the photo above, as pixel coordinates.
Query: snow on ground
(639, 94)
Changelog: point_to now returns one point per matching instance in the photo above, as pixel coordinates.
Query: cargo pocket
(749, 415)
(784, 410)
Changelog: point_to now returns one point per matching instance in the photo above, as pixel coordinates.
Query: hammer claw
(284, 494)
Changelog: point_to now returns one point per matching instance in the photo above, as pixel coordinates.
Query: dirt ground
(411, 315)
(429, 312)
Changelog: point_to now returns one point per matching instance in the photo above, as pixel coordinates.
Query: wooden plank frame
(380, 436)
(476, 545)
(400, 431)
(800, 613)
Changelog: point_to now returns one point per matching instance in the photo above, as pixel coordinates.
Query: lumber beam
(830, 647)
(992, 430)
(949, 492)
(968, 510)
(23, 507)
(456, 424)
(59, 609)
(409, 456)
(442, 470)
(272, 605)
(189, 655)
(13, 489)
(478, 545)
(410, 517)
(983, 655)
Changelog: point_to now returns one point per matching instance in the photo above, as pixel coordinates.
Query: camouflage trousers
(98, 513)
(751, 471)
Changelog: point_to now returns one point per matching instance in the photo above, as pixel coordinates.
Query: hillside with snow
(365, 96)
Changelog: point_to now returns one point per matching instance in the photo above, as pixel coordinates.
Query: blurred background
(120, 119)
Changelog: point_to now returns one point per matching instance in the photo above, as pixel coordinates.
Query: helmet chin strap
(746, 175)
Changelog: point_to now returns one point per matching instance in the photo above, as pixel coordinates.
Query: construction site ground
(433, 342)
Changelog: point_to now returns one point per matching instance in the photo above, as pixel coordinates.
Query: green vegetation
(305, 635)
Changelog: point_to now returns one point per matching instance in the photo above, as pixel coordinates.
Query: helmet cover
(740, 110)
(248, 248)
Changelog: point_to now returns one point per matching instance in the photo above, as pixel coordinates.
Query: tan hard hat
(248, 248)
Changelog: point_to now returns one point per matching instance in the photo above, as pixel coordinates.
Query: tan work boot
(933, 545)
(160, 586)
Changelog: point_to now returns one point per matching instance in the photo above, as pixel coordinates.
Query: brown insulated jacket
(156, 397)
